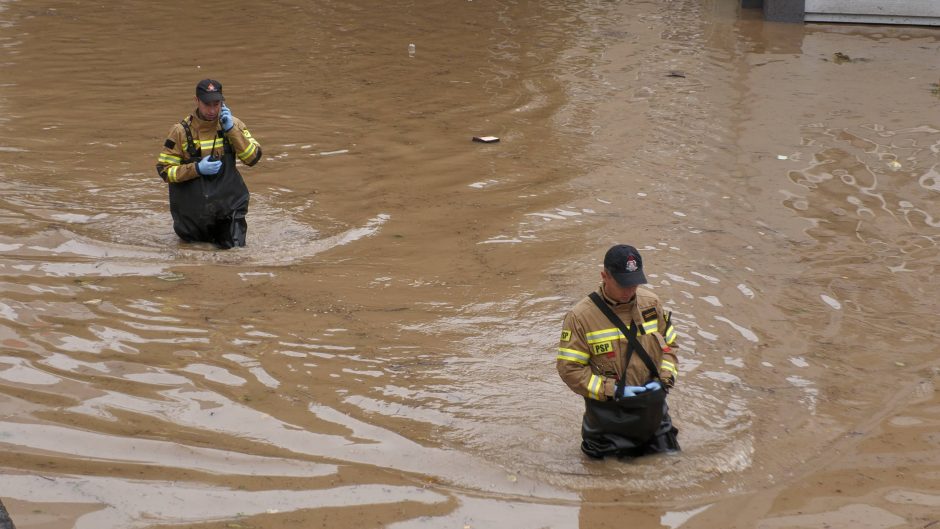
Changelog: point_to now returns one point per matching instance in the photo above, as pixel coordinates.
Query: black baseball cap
(624, 263)
(209, 90)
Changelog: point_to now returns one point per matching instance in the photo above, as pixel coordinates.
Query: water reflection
(887, 205)
(392, 323)
(131, 503)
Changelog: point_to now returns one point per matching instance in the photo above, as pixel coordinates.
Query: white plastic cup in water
(411, 50)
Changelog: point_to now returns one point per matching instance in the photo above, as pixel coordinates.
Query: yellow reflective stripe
(169, 158)
(611, 331)
(204, 144)
(604, 335)
(171, 174)
(669, 366)
(670, 335)
(595, 386)
(246, 154)
(650, 326)
(209, 143)
(572, 355)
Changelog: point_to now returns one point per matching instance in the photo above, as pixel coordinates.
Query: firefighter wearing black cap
(618, 351)
(208, 196)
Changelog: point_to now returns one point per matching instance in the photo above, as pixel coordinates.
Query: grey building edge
(795, 11)
(872, 19)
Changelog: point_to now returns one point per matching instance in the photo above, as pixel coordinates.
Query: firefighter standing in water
(208, 197)
(618, 351)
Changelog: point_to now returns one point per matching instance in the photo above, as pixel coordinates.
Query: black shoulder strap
(632, 343)
(192, 149)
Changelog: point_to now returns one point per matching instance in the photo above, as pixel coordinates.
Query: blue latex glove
(207, 167)
(653, 386)
(631, 391)
(225, 118)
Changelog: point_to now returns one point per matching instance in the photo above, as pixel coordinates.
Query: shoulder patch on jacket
(566, 335)
(649, 314)
(169, 144)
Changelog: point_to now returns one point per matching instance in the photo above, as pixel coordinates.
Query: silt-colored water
(381, 354)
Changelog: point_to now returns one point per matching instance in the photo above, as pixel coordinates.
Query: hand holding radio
(207, 166)
(225, 118)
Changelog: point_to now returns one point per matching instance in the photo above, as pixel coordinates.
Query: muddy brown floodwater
(381, 354)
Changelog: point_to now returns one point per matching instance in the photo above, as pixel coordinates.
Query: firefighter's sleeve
(669, 367)
(246, 147)
(574, 363)
(170, 164)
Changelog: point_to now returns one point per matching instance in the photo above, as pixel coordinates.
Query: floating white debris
(481, 185)
(721, 376)
(680, 279)
(247, 275)
(710, 279)
(707, 335)
(497, 240)
(834, 303)
(546, 216)
(712, 300)
(745, 332)
(799, 361)
(736, 362)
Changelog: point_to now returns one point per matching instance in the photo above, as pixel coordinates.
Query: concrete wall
(910, 12)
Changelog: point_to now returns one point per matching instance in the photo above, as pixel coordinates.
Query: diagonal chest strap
(192, 149)
(632, 343)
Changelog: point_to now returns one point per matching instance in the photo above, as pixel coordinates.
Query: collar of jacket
(200, 124)
(617, 304)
